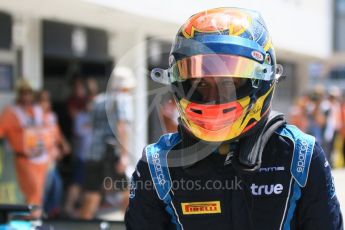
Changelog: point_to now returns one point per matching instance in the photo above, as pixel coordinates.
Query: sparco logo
(158, 168)
(301, 156)
(258, 190)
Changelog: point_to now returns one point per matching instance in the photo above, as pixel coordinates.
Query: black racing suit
(214, 195)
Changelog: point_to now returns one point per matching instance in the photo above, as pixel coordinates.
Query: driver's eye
(200, 83)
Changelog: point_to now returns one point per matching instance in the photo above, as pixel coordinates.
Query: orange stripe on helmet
(216, 20)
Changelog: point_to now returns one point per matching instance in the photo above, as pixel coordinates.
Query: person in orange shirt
(298, 113)
(22, 125)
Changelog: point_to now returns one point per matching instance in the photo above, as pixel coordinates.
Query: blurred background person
(316, 114)
(92, 88)
(23, 125)
(341, 143)
(108, 157)
(83, 134)
(324, 117)
(74, 103)
(60, 146)
(298, 113)
(78, 98)
(169, 114)
(333, 123)
(123, 83)
(342, 132)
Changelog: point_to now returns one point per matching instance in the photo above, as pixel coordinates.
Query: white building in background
(334, 68)
(301, 30)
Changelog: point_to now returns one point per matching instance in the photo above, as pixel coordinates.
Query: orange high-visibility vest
(36, 137)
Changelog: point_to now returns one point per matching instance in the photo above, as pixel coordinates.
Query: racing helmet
(222, 72)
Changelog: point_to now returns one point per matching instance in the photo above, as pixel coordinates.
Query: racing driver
(234, 162)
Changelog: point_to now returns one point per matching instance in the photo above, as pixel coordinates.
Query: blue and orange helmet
(222, 73)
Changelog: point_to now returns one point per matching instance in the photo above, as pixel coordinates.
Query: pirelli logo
(194, 208)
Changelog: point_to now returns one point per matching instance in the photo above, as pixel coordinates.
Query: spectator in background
(76, 105)
(83, 132)
(23, 125)
(332, 109)
(59, 147)
(320, 116)
(298, 113)
(92, 88)
(169, 114)
(108, 156)
(76, 102)
(122, 84)
(343, 127)
(316, 114)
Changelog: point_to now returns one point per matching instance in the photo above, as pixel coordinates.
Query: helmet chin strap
(253, 99)
(256, 85)
(250, 148)
(252, 102)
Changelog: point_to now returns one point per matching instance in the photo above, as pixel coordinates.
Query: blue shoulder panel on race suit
(303, 151)
(156, 155)
(300, 164)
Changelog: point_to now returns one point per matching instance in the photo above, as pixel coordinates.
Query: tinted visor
(220, 65)
(212, 90)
